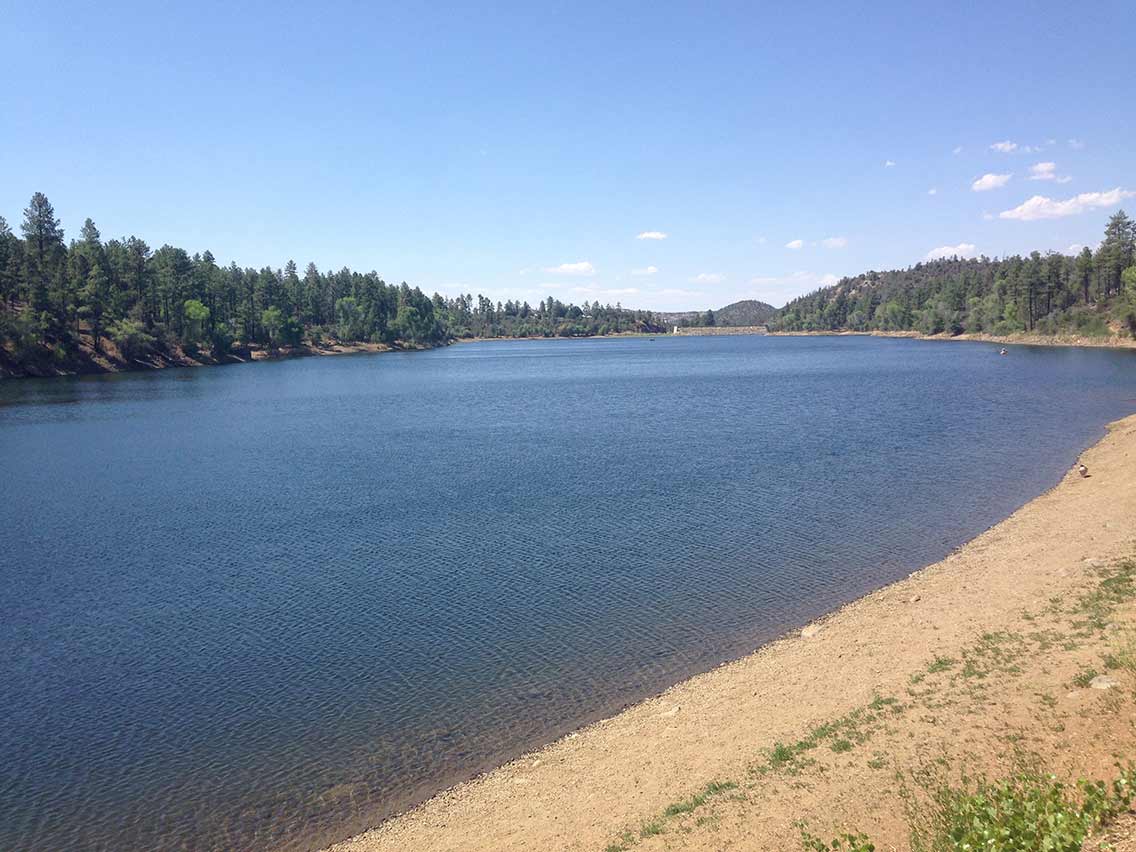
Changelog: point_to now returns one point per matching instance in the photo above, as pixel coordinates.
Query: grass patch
(1084, 677)
(940, 664)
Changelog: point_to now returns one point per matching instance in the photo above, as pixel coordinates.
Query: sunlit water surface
(265, 606)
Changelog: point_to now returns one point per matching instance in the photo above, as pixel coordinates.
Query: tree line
(1091, 293)
(60, 300)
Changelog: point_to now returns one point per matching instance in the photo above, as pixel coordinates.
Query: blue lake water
(265, 606)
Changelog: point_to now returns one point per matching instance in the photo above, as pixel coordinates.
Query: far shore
(1113, 342)
(968, 662)
(102, 363)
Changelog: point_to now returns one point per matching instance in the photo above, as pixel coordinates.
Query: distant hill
(1089, 294)
(744, 313)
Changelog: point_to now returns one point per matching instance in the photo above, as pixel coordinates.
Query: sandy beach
(1019, 643)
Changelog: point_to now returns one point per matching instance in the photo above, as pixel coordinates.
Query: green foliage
(844, 843)
(196, 315)
(1026, 813)
(154, 301)
(272, 321)
(1051, 294)
(131, 339)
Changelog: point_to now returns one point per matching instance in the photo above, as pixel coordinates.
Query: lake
(264, 606)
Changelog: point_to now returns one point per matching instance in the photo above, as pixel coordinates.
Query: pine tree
(43, 237)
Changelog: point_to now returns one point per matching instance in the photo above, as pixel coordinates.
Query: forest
(93, 304)
(1090, 294)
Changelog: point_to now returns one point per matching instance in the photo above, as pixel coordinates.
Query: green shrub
(1026, 813)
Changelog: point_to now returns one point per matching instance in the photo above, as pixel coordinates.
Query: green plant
(1084, 677)
(844, 843)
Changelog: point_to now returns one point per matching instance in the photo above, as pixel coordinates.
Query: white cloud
(1005, 147)
(987, 216)
(1076, 144)
(580, 267)
(990, 181)
(795, 245)
(1040, 207)
(933, 191)
(647, 270)
(708, 278)
(1043, 171)
(1051, 142)
(1074, 249)
(957, 149)
(889, 163)
(652, 235)
(602, 293)
(762, 241)
(834, 242)
(961, 250)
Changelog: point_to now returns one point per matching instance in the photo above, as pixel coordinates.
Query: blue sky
(520, 150)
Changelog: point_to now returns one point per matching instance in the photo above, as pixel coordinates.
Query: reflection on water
(262, 606)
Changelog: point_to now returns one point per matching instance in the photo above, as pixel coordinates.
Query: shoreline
(1014, 339)
(103, 365)
(605, 785)
(100, 364)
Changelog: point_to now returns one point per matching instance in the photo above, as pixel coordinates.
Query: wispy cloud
(795, 245)
(889, 163)
(990, 181)
(1006, 147)
(1043, 171)
(1076, 144)
(961, 250)
(602, 293)
(1075, 248)
(1041, 207)
(652, 235)
(834, 242)
(580, 267)
(957, 150)
(933, 191)
(646, 270)
(708, 278)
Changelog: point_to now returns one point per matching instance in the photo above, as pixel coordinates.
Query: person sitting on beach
(1084, 471)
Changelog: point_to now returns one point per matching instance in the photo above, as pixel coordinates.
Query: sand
(960, 666)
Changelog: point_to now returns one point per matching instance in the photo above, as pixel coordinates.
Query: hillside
(744, 313)
(1092, 294)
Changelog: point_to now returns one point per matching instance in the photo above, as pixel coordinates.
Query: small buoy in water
(1081, 469)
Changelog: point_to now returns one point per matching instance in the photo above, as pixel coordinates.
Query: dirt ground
(990, 660)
